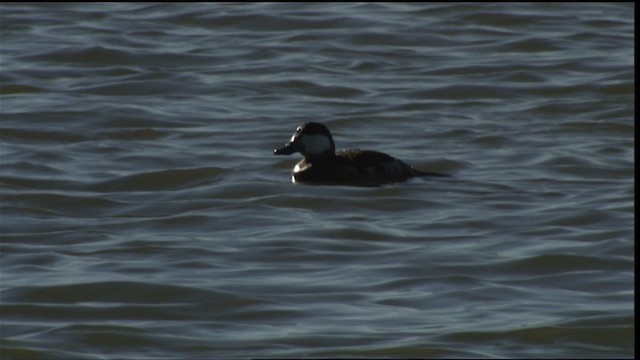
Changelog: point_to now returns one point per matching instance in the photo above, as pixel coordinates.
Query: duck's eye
(299, 129)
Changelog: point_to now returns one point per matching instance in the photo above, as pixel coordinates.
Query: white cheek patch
(315, 144)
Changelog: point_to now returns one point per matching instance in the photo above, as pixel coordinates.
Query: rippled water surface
(145, 216)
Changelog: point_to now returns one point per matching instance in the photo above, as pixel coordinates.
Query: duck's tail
(425, 173)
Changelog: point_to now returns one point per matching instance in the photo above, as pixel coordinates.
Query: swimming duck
(322, 165)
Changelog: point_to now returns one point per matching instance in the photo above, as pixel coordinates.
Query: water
(144, 214)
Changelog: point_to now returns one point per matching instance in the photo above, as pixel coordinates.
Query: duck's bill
(288, 149)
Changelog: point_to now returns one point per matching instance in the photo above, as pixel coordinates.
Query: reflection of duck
(322, 165)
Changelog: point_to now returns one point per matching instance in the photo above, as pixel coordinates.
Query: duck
(322, 165)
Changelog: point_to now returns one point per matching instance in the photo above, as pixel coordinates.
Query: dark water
(144, 215)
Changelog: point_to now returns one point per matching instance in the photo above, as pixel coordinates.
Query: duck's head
(312, 140)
